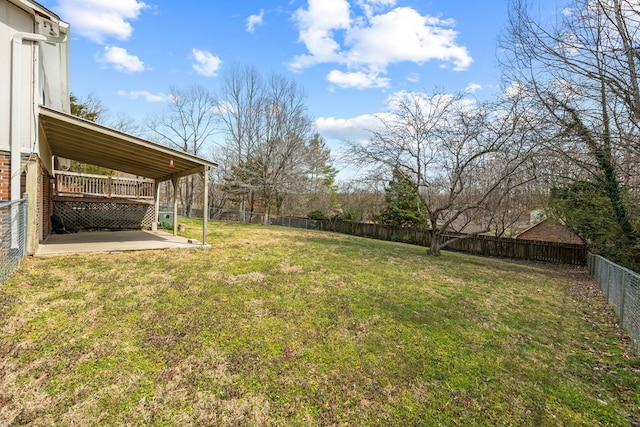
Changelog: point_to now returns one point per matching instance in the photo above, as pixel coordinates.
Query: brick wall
(5, 175)
(41, 200)
(40, 197)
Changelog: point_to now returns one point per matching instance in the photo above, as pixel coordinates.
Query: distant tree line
(563, 136)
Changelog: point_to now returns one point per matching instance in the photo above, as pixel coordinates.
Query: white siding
(44, 76)
(54, 75)
(12, 20)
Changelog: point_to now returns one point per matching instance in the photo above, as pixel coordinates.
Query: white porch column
(175, 182)
(205, 204)
(156, 202)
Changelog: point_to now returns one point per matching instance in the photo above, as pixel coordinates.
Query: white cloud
(224, 107)
(413, 77)
(254, 20)
(101, 19)
(121, 60)
(369, 43)
(472, 87)
(358, 80)
(404, 35)
(358, 129)
(146, 95)
(317, 26)
(354, 129)
(206, 64)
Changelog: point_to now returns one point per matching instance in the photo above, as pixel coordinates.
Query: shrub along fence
(622, 289)
(484, 245)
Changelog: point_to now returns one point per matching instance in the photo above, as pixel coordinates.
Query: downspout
(16, 116)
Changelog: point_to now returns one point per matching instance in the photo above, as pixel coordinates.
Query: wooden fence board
(501, 247)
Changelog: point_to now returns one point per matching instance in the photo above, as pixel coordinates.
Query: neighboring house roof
(550, 230)
(74, 138)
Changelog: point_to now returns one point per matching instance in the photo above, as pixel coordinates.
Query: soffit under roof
(74, 138)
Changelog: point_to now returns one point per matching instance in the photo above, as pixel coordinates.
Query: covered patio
(77, 139)
(85, 243)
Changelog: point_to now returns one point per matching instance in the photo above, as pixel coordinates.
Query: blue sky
(348, 55)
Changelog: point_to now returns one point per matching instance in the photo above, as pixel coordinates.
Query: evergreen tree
(584, 206)
(403, 207)
(321, 176)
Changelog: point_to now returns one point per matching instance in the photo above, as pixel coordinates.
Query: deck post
(205, 205)
(156, 199)
(175, 182)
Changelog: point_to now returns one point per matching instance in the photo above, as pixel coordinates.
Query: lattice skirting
(90, 214)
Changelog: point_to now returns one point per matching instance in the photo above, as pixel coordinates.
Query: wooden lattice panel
(97, 214)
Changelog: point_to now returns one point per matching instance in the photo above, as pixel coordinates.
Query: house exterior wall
(37, 185)
(5, 174)
(12, 20)
(47, 202)
(43, 80)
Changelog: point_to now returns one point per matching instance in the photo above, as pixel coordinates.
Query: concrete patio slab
(90, 242)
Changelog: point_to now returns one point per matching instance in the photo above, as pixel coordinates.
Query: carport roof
(74, 138)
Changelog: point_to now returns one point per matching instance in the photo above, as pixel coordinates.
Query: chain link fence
(13, 236)
(296, 222)
(622, 289)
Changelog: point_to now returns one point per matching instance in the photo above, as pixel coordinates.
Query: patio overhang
(74, 138)
(77, 139)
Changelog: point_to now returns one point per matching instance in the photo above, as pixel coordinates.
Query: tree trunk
(436, 240)
(267, 214)
(241, 210)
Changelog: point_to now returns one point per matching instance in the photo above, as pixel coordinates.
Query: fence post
(623, 291)
(25, 217)
(608, 280)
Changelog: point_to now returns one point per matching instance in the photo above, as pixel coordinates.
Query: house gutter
(16, 116)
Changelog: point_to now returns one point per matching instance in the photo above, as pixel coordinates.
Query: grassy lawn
(275, 326)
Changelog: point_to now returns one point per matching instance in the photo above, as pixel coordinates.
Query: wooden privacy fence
(562, 253)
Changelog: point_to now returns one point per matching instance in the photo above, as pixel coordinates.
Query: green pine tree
(403, 207)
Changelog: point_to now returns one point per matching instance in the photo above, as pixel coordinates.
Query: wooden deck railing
(80, 184)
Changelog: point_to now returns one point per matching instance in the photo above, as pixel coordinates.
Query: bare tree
(362, 199)
(457, 155)
(281, 153)
(267, 127)
(240, 109)
(218, 196)
(188, 124)
(91, 108)
(126, 124)
(582, 73)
